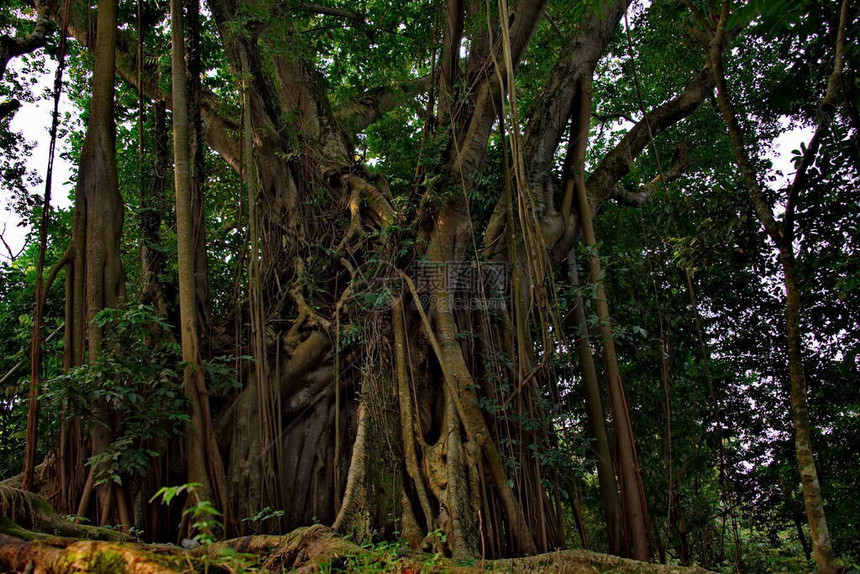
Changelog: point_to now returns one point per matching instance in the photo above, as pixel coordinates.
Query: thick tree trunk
(95, 278)
(461, 444)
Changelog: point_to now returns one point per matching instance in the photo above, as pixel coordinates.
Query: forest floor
(36, 540)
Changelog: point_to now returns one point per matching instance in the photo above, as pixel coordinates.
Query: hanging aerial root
(407, 419)
(376, 203)
(458, 380)
(356, 476)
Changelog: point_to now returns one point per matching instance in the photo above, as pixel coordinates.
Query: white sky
(34, 121)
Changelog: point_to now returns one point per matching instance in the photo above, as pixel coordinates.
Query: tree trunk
(800, 417)
(632, 491)
(95, 277)
(782, 235)
(608, 486)
(204, 459)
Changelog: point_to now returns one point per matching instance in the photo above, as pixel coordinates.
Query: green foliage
(137, 377)
(205, 518)
(16, 324)
(234, 561)
(388, 556)
(221, 373)
(168, 493)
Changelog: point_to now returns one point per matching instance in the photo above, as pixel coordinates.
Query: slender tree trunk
(800, 417)
(632, 491)
(198, 173)
(782, 235)
(607, 484)
(32, 436)
(204, 460)
(32, 433)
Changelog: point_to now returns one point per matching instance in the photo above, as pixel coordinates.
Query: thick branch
(616, 164)
(471, 153)
(368, 107)
(222, 134)
(554, 107)
(11, 47)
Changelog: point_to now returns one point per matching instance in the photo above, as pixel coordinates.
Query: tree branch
(644, 193)
(616, 164)
(828, 109)
(219, 129)
(11, 47)
(469, 157)
(368, 107)
(550, 114)
(8, 107)
(760, 203)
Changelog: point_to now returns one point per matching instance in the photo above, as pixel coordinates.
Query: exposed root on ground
(28, 516)
(305, 550)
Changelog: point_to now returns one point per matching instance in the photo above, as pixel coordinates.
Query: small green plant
(437, 536)
(221, 373)
(235, 562)
(379, 557)
(205, 521)
(168, 493)
(266, 514)
(136, 532)
(205, 518)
